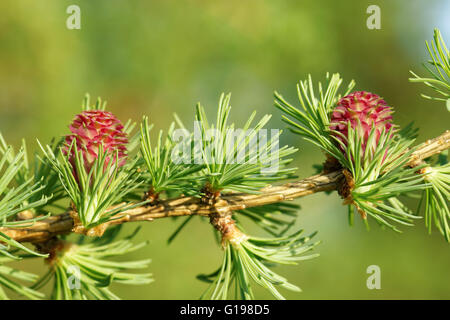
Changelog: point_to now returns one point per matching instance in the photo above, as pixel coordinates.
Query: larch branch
(185, 206)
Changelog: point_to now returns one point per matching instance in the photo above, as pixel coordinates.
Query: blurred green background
(161, 57)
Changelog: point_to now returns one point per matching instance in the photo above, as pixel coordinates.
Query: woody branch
(186, 206)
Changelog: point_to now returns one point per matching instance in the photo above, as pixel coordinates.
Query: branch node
(53, 247)
(25, 215)
(222, 220)
(152, 196)
(78, 227)
(344, 189)
(331, 164)
(210, 195)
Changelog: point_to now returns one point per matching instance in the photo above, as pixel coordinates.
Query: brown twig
(184, 206)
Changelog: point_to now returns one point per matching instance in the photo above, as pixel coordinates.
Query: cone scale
(364, 111)
(93, 129)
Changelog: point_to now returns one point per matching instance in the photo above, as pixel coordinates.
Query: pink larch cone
(371, 111)
(92, 129)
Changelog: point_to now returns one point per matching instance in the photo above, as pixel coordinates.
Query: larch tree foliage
(103, 174)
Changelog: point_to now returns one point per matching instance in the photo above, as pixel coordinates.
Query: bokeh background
(161, 57)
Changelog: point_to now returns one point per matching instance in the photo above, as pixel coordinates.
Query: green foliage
(164, 174)
(380, 176)
(313, 121)
(52, 187)
(217, 158)
(438, 68)
(243, 160)
(87, 106)
(94, 193)
(85, 271)
(249, 260)
(16, 195)
(378, 173)
(8, 277)
(436, 199)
